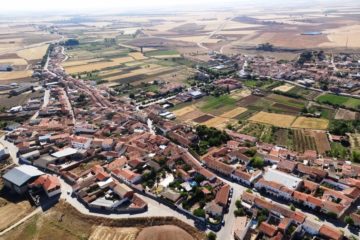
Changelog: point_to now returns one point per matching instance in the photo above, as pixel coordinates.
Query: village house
(50, 184)
(126, 175)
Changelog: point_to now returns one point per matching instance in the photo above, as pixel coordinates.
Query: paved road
(12, 149)
(227, 231)
(45, 103)
(154, 208)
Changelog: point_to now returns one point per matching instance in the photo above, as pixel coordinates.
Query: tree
(238, 204)
(349, 220)
(332, 214)
(110, 115)
(199, 212)
(211, 236)
(355, 156)
(239, 212)
(292, 207)
(71, 42)
(257, 162)
(340, 127)
(81, 98)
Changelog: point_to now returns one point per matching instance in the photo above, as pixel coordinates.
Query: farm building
(17, 179)
(5, 68)
(20, 90)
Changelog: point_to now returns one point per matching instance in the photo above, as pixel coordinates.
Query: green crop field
(161, 53)
(213, 103)
(339, 101)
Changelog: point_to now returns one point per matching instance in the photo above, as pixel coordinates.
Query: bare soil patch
(165, 232)
(344, 114)
(203, 118)
(246, 101)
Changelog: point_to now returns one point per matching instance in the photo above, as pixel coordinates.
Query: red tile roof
(222, 195)
(331, 232)
(48, 182)
(267, 229)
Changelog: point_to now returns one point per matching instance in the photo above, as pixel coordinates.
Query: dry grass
(233, 113)
(345, 36)
(239, 94)
(344, 114)
(14, 61)
(190, 116)
(219, 122)
(15, 75)
(196, 39)
(137, 55)
(80, 62)
(102, 232)
(63, 222)
(10, 212)
(279, 120)
(284, 88)
(34, 53)
(167, 56)
(98, 65)
(165, 232)
(145, 71)
(184, 110)
(311, 123)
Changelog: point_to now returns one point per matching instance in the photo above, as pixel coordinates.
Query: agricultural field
(262, 132)
(234, 113)
(219, 122)
(278, 120)
(263, 85)
(354, 140)
(113, 63)
(162, 53)
(97, 66)
(284, 88)
(344, 114)
(211, 111)
(303, 140)
(305, 93)
(14, 75)
(21, 46)
(273, 103)
(217, 105)
(34, 53)
(137, 56)
(337, 100)
(311, 123)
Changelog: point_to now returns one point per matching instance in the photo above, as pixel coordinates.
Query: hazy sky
(71, 6)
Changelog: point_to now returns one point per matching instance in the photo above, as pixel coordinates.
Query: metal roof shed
(18, 177)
